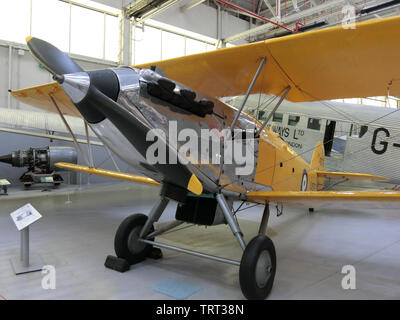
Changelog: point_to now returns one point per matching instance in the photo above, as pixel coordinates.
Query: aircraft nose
(75, 85)
(83, 88)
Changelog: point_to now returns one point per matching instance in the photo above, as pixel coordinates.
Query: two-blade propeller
(95, 95)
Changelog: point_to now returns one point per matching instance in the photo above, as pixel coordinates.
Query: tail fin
(317, 164)
(318, 157)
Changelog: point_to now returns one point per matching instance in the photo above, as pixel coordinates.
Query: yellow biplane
(124, 105)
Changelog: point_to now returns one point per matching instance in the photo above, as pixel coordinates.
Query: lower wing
(107, 173)
(330, 199)
(350, 176)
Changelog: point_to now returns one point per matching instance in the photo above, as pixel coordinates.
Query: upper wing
(350, 176)
(107, 173)
(330, 199)
(39, 97)
(325, 64)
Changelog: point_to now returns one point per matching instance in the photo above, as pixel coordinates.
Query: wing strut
(77, 145)
(88, 144)
(273, 111)
(248, 93)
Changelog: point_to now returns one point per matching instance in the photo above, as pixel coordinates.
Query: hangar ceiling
(272, 18)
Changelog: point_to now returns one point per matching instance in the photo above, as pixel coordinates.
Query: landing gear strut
(135, 240)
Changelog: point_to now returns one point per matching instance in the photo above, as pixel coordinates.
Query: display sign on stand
(23, 218)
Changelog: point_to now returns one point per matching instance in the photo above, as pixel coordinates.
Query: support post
(229, 218)
(112, 158)
(248, 93)
(88, 144)
(272, 112)
(78, 147)
(24, 263)
(154, 215)
(10, 62)
(25, 247)
(264, 221)
(164, 229)
(191, 252)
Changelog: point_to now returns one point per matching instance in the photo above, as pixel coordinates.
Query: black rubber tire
(134, 221)
(247, 272)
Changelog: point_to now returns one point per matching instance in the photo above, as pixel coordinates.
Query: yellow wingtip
(195, 185)
(28, 38)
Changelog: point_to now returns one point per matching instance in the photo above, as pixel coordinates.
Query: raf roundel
(304, 181)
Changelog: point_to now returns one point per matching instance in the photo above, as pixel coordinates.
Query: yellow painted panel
(39, 97)
(107, 173)
(266, 159)
(289, 167)
(330, 199)
(324, 64)
(350, 176)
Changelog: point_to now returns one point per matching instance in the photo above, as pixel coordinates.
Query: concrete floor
(77, 230)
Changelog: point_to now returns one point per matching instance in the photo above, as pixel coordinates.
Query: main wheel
(257, 268)
(126, 242)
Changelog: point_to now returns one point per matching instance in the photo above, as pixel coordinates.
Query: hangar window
(293, 120)
(261, 115)
(87, 32)
(175, 45)
(194, 46)
(111, 47)
(15, 20)
(83, 27)
(147, 45)
(58, 36)
(278, 117)
(166, 42)
(358, 131)
(314, 124)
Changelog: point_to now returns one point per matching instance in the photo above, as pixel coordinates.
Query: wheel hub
(263, 269)
(134, 245)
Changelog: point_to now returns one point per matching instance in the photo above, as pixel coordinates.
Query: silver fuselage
(157, 114)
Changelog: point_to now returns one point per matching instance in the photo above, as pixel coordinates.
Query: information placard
(25, 216)
(4, 182)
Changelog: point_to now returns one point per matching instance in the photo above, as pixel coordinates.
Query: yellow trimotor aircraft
(123, 105)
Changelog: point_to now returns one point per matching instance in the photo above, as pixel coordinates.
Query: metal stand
(23, 264)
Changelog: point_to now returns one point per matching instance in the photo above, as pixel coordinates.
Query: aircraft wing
(324, 64)
(107, 173)
(38, 97)
(330, 199)
(350, 176)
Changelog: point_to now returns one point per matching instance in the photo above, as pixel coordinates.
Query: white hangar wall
(20, 70)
